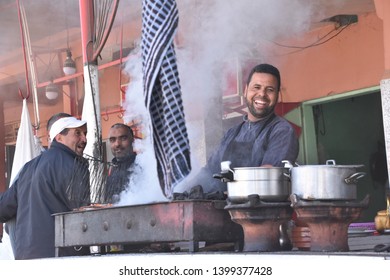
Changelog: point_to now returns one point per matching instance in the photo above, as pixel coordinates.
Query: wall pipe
(23, 47)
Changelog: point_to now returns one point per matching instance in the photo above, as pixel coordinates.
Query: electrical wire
(317, 42)
(103, 24)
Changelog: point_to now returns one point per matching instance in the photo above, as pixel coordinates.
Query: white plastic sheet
(27, 147)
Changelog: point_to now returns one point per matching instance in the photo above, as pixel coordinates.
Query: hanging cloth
(162, 92)
(27, 147)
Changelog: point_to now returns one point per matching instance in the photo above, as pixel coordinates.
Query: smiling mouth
(260, 103)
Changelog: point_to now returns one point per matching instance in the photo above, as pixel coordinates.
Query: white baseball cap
(61, 124)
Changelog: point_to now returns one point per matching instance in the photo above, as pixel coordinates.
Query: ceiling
(53, 25)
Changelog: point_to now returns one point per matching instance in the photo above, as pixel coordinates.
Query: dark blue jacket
(54, 182)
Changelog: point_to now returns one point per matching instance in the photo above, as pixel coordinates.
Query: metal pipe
(86, 24)
(110, 112)
(64, 80)
(26, 38)
(23, 47)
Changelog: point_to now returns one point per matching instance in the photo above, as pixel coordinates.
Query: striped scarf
(163, 93)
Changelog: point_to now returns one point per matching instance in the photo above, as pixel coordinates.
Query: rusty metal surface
(328, 222)
(176, 221)
(260, 222)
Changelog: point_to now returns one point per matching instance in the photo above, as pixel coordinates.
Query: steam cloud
(144, 186)
(212, 37)
(216, 36)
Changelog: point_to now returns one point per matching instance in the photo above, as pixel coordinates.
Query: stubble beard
(259, 114)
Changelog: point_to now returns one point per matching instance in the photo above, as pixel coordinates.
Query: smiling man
(261, 94)
(261, 139)
(56, 181)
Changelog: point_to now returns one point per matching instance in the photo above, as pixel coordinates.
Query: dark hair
(265, 68)
(118, 125)
(55, 118)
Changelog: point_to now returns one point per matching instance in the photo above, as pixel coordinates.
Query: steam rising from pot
(213, 37)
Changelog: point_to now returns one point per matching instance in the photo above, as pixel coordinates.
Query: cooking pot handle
(287, 164)
(225, 166)
(354, 177)
(288, 176)
(225, 176)
(330, 162)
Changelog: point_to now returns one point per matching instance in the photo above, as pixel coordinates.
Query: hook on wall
(121, 113)
(105, 116)
(22, 96)
(107, 112)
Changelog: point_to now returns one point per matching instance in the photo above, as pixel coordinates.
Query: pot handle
(225, 166)
(225, 176)
(330, 162)
(352, 179)
(287, 164)
(287, 175)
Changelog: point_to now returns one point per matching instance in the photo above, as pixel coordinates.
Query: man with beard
(56, 181)
(261, 139)
(121, 139)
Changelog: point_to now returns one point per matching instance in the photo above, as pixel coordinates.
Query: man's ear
(245, 90)
(58, 137)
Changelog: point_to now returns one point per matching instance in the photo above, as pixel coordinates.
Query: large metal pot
(269, 183)
(325, 182)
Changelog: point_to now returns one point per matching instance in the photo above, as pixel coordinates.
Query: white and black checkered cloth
(163, 93)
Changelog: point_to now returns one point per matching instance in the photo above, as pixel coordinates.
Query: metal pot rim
(329, 166)
(260, 168)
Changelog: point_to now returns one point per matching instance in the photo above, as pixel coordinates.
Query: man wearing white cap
(55, 181)
(52, 120)
(77, 141)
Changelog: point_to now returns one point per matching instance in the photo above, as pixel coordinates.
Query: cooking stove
(260, 221)
(327, 222)
(188, 222)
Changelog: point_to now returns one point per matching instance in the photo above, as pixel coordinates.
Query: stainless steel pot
(325, 182)
(269, 183)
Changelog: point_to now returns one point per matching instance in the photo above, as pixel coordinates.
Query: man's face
(121, 142)
(261, 95)
(76, 139)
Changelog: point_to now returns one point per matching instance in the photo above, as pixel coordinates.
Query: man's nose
(84, 137)
(262, 92)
